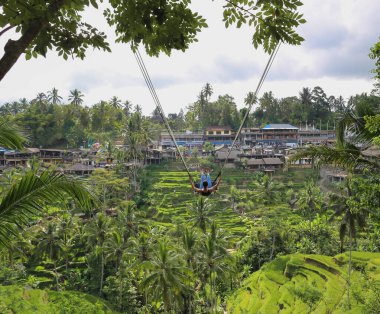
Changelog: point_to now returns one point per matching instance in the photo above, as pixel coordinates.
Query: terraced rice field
(170, 197)
(304, 284)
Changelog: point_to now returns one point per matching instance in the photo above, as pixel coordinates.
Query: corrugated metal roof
(280, 126)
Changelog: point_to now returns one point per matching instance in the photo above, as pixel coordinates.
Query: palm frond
(28, 196)
(11, 136)
(346, 157)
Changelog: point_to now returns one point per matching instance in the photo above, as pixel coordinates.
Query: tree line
(54, 123)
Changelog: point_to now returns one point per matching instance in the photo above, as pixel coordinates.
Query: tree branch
(14, 48)
(6, 29)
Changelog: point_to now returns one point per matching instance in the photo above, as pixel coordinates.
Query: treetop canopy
(158, 25)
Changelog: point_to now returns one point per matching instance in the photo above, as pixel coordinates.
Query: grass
(19, 299)
(301, 283)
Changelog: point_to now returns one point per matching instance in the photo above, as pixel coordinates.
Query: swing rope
(262, 79)
(156, 100)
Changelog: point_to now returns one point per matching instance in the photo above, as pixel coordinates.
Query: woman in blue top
(206, 187)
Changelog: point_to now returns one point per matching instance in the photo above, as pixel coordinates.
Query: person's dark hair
(205, 184)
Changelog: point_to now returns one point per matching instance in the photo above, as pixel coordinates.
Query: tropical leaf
(348, 157)
(32, 193)
(11, 136)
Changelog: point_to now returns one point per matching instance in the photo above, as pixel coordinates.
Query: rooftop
(280, 126)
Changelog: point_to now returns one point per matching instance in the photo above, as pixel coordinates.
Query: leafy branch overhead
(159, 25)
(273, 21)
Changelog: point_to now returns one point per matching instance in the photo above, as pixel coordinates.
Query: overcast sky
(338, 36)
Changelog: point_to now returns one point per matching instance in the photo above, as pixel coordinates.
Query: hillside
(170, 197)
(310, 284)
(18, 299)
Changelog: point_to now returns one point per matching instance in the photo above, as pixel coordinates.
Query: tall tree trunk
(272, 248)
(101, 273)
(14, 48)
(349, 272)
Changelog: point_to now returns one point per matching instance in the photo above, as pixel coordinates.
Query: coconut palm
(28, 196)
(346, 154)
(201, 212)
(189, 243)
(207, 91)
(40, 98)
(76, 97)
(114, 247)
(115, 102)
(53, 97)
(352, 218)
(167, 276)
(214, 261)
(96, 233)
(266, 190)
(309, 200)
(127, 106)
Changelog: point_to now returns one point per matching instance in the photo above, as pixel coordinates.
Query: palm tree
(96, 234)
(129, 221)
(32, 193)
(114, 247)
(167, 276)
(76, 97)
(309, 199)
(249, 100)
(201, 212)
(207, 91)
(265, 190)
(115, 102)
(346, 154)
(127, 106)
(53, 97)
(49, 245)
(352, 218)
(189, 241)
(214, 261)
(40, 98)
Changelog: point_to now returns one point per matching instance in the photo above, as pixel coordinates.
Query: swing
(205, 187)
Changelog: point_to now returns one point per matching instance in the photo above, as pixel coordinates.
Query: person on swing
(206, 187)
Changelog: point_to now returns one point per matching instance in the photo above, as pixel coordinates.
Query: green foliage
(17, 299)
(312, 283)
(29, 196)
(273, 20)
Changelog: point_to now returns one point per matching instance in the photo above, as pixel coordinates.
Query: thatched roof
(79, 168)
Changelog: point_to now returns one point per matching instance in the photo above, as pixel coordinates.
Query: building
(250, 136)
(269, 164)
(186, 139)
(234, 156)
(52, 156)
(315, 136)
(219, 135)
(279, 134)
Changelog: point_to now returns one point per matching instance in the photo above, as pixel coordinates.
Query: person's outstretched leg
(209, 180)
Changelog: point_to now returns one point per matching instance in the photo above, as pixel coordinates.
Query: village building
(219, 135)
(275, 134)
(152, 157)
(221, 156)
(250, 136)
(315, 136)
(186, 139)
(264, 164)
(52, 156)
